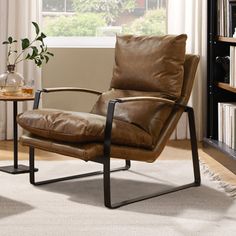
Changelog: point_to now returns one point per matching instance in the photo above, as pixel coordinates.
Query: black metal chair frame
(105, 160)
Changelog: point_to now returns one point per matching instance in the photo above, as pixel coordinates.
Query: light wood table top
(19, 97)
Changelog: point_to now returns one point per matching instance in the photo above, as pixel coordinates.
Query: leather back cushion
(149, 63)
(148, 115)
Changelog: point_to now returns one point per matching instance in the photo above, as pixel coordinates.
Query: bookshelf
(218, 90)
(226, 86)
(226, 39)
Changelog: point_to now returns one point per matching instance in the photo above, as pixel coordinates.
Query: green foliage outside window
(153, 22)
(109, 9)
(84, 24)
(87, 24)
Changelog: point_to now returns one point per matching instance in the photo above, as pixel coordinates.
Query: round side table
(15, 169)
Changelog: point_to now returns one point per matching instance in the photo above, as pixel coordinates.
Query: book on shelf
(232, 67)
(226, 17)
(232, 16)
(226, 124)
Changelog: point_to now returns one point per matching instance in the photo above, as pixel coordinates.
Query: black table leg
(15, 135)
(15, 169)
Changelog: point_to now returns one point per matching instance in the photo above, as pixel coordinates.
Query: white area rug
(76, 207)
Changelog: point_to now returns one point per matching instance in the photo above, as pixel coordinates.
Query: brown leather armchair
(151, 84)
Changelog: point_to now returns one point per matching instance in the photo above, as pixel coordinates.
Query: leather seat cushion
(149, 63)
(79, 127)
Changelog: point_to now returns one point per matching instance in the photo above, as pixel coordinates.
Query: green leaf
(25, 43)
(43, 35)
(10, 40)
(5, 42)
(34, 53)
(42, 49)
(39, 63)
(36, 27)
(35, 49)
(28, 56)
(51, 54)
(47, 58)
(39, 38)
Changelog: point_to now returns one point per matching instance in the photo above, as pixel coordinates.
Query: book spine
(227, 18)
(220, 120)
(227, 124)
(231, 66)
(234, 128)
(220, 17)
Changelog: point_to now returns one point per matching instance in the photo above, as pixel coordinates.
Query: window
(87, 21)
(49, 6)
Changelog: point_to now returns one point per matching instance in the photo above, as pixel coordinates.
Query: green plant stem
(19, 61)
(16, 62)
(8, 56)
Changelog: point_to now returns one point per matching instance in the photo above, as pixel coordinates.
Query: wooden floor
(176, 150)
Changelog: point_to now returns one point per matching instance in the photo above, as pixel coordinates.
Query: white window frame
(80, 42)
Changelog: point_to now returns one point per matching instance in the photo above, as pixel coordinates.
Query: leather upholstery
(149, 116)
(144, 63)
(88, 151)
(156, 121)
(80, 127)
(190, 67)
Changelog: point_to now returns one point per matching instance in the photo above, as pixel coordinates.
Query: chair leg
(107, 182)
(32, 172)
(127, 164)
(31, 165)
(107, 191)
(193, 139)
(196, 170)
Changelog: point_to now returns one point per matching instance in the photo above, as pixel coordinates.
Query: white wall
(80, 67)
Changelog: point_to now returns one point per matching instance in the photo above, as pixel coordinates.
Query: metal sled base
(106, 171)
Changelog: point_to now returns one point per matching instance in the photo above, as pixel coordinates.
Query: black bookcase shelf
(217, 91)
(226, 39)
(221, 152)
(226, 87)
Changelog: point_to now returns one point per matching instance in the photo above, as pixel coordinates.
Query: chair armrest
(148, 98)
(136, 99)
(73, 89)
(61, 89)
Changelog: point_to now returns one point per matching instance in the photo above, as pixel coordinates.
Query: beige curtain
(15, 20)
(190, 17)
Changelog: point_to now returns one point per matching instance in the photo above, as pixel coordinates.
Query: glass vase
(11, 82)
